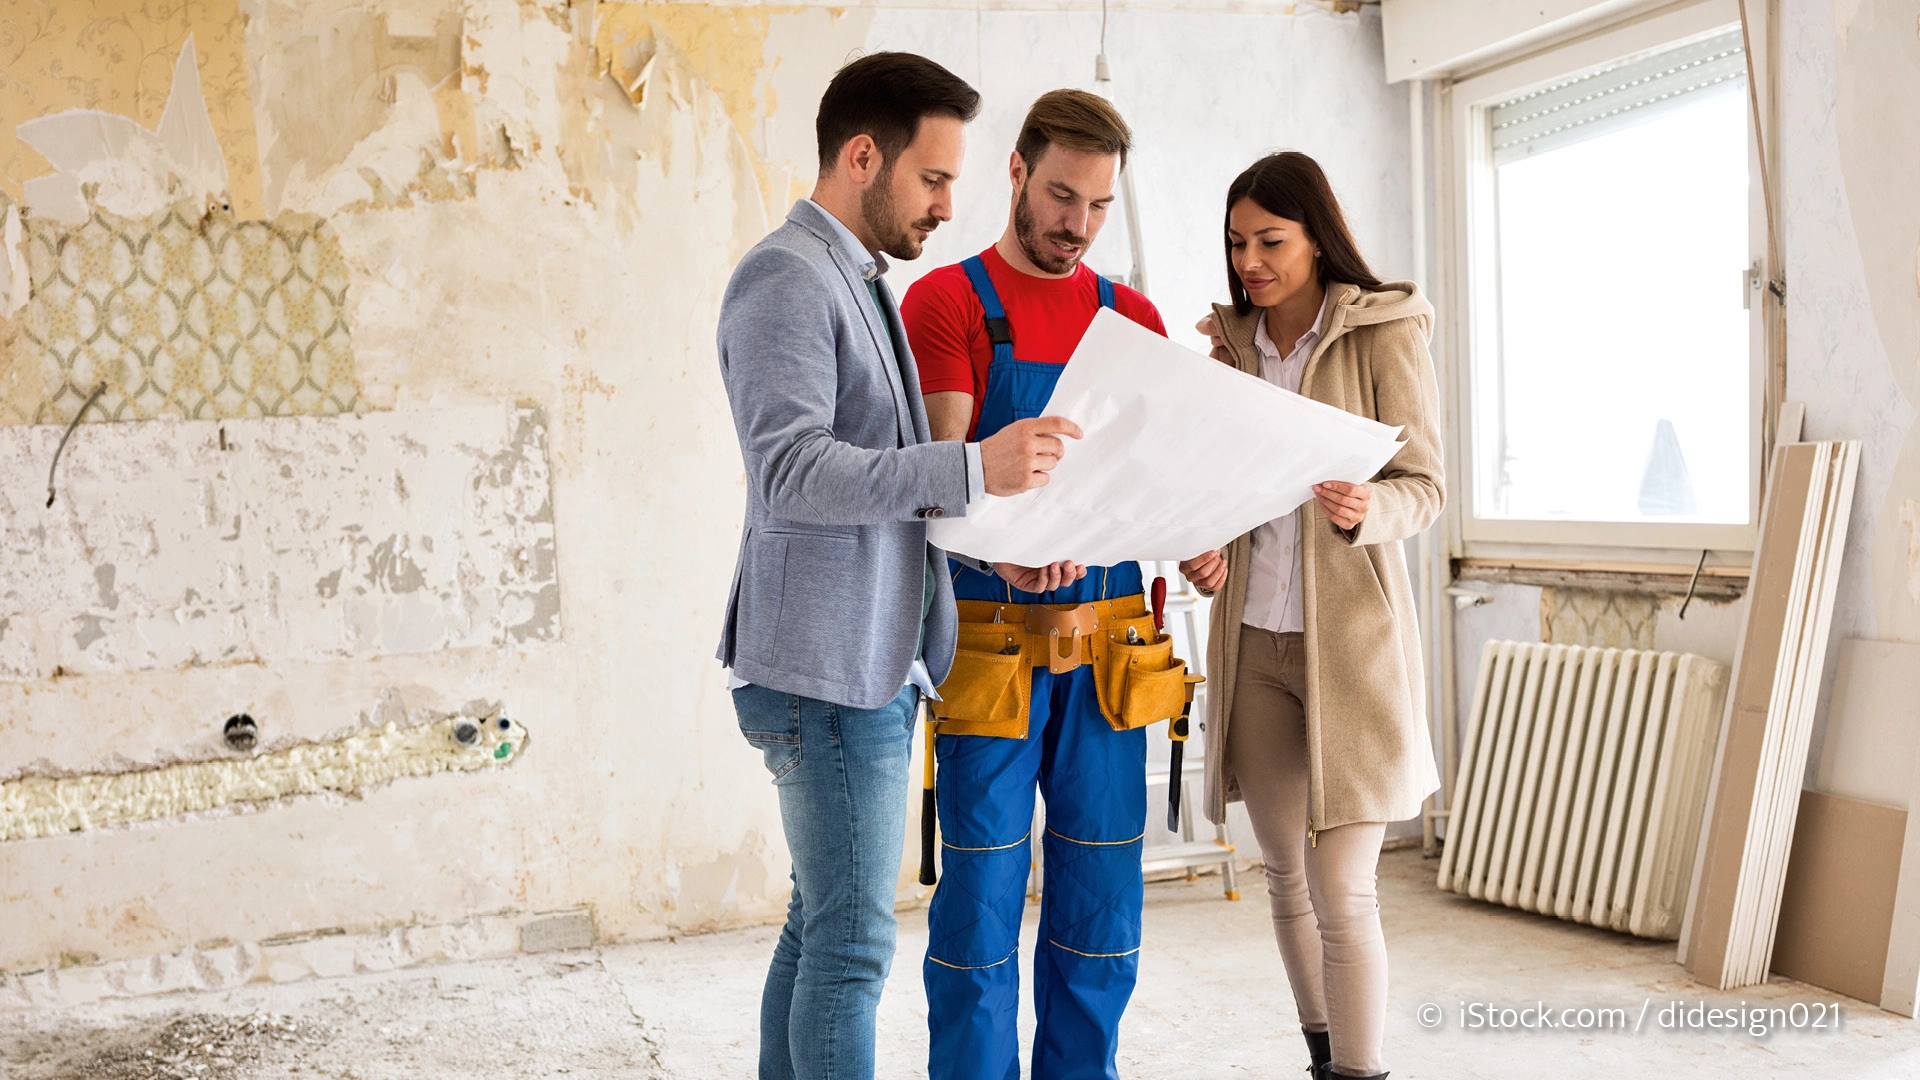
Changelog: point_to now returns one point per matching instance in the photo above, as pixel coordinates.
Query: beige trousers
(1325, 913)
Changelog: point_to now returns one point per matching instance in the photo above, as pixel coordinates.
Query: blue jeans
(842, 775)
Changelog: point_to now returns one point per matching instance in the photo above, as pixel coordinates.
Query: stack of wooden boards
(1850, 908)
(1727, 938)
(1583, 783)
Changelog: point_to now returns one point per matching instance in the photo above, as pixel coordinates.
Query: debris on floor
(178, 1046)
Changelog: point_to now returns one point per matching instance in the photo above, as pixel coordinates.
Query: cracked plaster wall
(1849, 151)
(536, 206)
(257, 541)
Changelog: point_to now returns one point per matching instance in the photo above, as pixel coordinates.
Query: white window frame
(1466, 239)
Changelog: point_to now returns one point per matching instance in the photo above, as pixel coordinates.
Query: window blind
(1579, 108)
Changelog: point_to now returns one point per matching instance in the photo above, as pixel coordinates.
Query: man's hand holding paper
(1146, 481)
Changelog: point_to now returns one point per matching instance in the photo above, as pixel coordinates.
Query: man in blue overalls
(991, 336)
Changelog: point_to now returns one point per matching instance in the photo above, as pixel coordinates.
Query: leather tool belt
(990, 688)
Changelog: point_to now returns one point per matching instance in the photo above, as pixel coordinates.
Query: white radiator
(1582, 783)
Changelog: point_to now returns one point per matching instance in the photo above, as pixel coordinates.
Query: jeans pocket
(770, 721)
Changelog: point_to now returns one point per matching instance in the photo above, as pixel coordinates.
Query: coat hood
(1350, 307)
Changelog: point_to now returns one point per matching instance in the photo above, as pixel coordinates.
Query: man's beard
(1027, 233)
(882, 215)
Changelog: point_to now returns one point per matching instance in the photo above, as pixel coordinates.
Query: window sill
(1660, 579)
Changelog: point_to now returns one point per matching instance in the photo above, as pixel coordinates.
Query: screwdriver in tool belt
(1177, 728)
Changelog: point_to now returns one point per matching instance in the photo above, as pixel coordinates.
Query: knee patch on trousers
(975, 918)
(1094, 894)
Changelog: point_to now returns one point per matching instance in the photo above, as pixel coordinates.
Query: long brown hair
(1291, 185)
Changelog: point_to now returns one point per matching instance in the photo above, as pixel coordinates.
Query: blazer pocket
(821, 574)
(848, 533)
(762, 599)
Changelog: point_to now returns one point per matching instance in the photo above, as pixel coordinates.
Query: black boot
(1319, 1051)
(1325, 1072)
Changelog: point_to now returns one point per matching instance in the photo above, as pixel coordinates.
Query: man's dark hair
(884, 96)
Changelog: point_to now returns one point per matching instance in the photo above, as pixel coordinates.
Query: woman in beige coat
(1317, 716)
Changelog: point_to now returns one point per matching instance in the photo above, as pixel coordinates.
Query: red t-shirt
(947, 330)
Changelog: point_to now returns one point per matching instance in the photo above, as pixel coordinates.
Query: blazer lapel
(906, 389)
(880, 334)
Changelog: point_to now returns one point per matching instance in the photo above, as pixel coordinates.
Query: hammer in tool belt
(1176, 728)
(927, 808)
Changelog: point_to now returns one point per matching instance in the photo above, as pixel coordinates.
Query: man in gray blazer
(842, 614)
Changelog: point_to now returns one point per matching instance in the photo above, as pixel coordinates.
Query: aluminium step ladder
(1186, 621)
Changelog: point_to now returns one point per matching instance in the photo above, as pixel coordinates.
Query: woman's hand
(1040, 578)
(1210, 326)
(1207, 571)
(1344, 504)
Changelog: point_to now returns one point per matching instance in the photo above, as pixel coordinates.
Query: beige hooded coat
(1371, 757)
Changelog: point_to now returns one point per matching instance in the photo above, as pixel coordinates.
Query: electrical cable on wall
(88, 404)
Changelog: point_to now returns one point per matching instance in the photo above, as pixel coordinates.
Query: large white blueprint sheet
(1182, 454)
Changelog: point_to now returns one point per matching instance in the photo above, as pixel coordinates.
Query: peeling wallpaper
(358, 86)
(133, 283)
(261, 541)
(519, 217)
(622, 120)
(118, 57)
(1612, 620)
(193, 316)
(369, 106)
(725, 46)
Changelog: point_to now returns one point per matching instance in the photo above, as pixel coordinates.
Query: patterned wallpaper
(189, 317)
(1595, 617)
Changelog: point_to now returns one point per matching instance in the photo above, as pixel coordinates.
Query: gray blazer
(841, 478)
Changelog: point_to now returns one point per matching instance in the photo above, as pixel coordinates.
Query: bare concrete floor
(1212, 1002)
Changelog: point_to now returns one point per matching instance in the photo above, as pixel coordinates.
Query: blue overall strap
(999, 331)
(1106, 291)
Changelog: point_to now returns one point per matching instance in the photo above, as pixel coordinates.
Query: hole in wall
(241, 733)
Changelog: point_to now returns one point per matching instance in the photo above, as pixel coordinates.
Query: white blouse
(1274, 579)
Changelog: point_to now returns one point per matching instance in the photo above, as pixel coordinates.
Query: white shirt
(1274, 578)
(873, 266)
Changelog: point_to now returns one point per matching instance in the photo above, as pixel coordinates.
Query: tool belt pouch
(991, 684)
(1139, 684)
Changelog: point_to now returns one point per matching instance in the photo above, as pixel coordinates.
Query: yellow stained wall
(726, 45)
(118, 57)
(476, 269)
